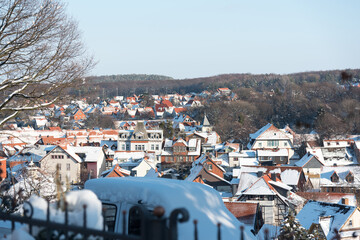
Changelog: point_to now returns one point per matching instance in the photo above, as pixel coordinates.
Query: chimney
(273, 177)
(345, 201)
(259, 174)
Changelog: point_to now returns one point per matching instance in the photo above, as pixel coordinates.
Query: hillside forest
(326, 101)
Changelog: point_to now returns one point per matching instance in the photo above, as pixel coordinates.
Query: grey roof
(140, 128)
(206, 121)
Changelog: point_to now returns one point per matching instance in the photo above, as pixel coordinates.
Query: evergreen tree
(291, 229)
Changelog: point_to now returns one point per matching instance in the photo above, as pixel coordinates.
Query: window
(209, 167)
(68, 166)
(260, 144)
(152, 147)
(123, 147)
(273, 143)
(285, 144)
(349, 177)
(58, 166)
(109, 216)
(157, 147)
(335, 178)
(143, 147)
(350, 223)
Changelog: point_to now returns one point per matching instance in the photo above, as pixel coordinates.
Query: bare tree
(41, 53)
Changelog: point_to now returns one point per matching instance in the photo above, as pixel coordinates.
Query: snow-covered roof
(342, 172)
(203, 203)
(152, 173)
(245, 181)
(260, 131)
(260, 187)
(288, 175)
(145, 163)
(32, 153)
(224, 159)
(305, 159)
(330, 156)
(330, 216)
(91, 154)
(330, 197)
(194, 173)
(73, 154)
(281, 185)
(168, 143)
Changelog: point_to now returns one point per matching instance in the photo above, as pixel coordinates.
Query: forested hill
(156, 84)
(127, 77)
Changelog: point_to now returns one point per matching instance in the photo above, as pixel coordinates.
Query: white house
(141, 139)
(274, 146)
(66, 161)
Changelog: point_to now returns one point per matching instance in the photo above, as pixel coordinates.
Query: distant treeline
(104, 86)
(127, 77)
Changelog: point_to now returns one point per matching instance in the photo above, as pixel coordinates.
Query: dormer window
(350, 177)
(334, 177)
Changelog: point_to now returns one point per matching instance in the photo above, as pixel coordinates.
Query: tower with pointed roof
(206, 126)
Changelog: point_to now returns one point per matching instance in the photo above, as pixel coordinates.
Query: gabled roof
(91, 154)
(289, 175)
(261, 187)
(167, 103)
(245, 212)
(72, 154)
(198, 166)
(330, 216)
(260, 131)
(205, 121)
(116, 171)
(269, 131)
(307, 158)
(180, 141)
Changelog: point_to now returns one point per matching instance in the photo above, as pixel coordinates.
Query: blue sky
(198, 38)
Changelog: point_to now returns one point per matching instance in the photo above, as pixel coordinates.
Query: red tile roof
(245, 212)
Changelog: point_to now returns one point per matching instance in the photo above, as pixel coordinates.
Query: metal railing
(149, 226)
